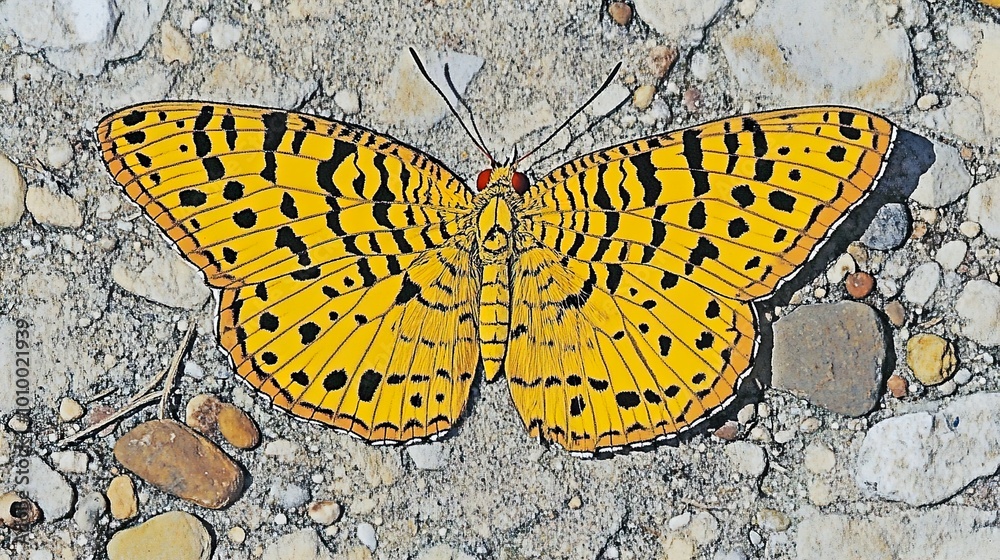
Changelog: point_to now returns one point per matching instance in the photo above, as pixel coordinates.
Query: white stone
(168, 279)
(970, 229)
(284, 450)
(54, 209)
(7, 92)
(410, 101)
(12, 192)
(88, 509)
(946, 180)
(779, 55)
(69, 410)
(941, 533)
(922, 40)
(74, 462)
(366, 534)
(927, 102)
(428, 457)
(963, 376)
(843, 266)
(325, 512)
(924, 458)
(951, 254)
(978, 307)
(348, 101)
(746, 458)
(225, 35)
(961, 38)
(288, 495)
(922, 283)
(819, 458)
(59, 153)
(200, 26)
(47, 488)
(704, 528)
(964, 116)
(609, 99)
(679, 20)
(679, 521)
(304, 544)
(984, 207)
(984, 80)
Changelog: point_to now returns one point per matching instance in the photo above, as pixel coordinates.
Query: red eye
(520, 182)
(483, 180)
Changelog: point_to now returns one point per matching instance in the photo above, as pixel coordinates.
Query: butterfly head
(504, 176)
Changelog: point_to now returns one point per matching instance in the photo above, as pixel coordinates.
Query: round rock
(237, 427)
(324, 512)
(979, 308)
(174, 535)
(832, 355)
(922, 283)
(889, 229)
(931, 358)
(746, 458)
(182, 462)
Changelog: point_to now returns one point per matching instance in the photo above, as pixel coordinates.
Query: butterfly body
(363, 285)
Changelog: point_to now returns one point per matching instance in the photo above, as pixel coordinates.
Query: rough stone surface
(430, 457)
(300, 545)
(175, 535)
(831, 355)
(54, 209)
(47, 488)
(946, 180)
(410, 100)
(12, 191)
(889, 229)
(979, 308)
(777, 55)
(746, 458)
(924, 458)
(931, 358)
(922, 283)
(984, 207)
(179, 461)
(167, 279)
(984, 80)
(679, 20)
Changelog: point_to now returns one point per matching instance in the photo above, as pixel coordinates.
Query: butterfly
(363, 285)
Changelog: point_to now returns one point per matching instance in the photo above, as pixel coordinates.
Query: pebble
(926, 457)
(679, 521)
(831, 355)
(181, 462)
(175, 535)
(889, 229)
(746, 458)
(7, 92)
(237, 534)
(325, 512)
(167, 279)
(896, 313)
(174, 45)
(810, 425)
(348, 101)
(366, 534)
(17, 512)
(927, 101)
(984, 207)
(728, 431)
(784, 436)
(772, 520)
(202, 413)
(774, 56)
(945, 181)
(642, 97)
(303, 544)
(121, 497)
(70, 410)
(288, 495)
(931, 358)
(71, 462)
(88, 510)
(678, 19)
(429, 456)
(922, 283)
(283, 450)
(54, 209)
(970, 229)
(746, 414)
(843, 266)
(238, 429)
(18, 424)
(45, 487)
(897, 386)
(200, 26)
(660, 59)
(951, 254)
(704, 528)
(859, 284)
(819, 458)
(12, 193)
(575, 503)
(59, 153)
(946, 532)
(978, 307)
(620, 12)
(963, 376)
(948, 388)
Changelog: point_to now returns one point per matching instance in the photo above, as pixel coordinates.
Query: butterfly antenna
(458, 96)
(437, 88)
(599, 91)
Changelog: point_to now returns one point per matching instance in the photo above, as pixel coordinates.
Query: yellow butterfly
(363, 285)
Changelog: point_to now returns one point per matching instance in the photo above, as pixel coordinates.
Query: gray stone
(979, 308)
(951, 254)
(168, 279)
(942, 533)
(47, 488)
(89, 509)
(428, 457)
(945, 181)
(300, 545)
(831, 355)
(984, 206)
(922, 283)
(778, 55)
(889, 229)
(679, 20)
(924, 458)
(746, 458)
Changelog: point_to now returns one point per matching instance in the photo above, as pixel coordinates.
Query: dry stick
(141, 398)
(101, 395)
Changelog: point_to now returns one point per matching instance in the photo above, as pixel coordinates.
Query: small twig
(175, 365)
(101, 395)
(700, 505)
(109, 420)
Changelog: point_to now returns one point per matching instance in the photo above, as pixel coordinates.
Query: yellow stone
(642, 98)
(931, 358)
(175, 535)
(237, 427)
(121, 496)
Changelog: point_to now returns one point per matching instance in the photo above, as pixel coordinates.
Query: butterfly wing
(336, 250)
(639, 263)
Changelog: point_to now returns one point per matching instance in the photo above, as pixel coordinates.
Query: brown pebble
(896, 313)
(692, 99)
(620, 12)
(182, 462)
(96, 415)
(121, 497)
(919, 230)
(17, 512)
(897, 385)
(202, 413)
(661, 59)
(931, 358)
(859, 284)
(237, 427)
(728, 431)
